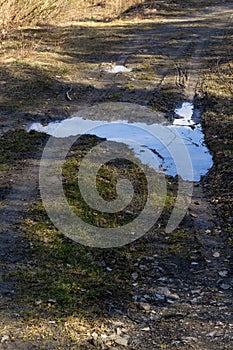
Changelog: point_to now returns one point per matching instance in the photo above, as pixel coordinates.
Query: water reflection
(160, 146)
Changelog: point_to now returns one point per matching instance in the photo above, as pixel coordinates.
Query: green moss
(16, 145)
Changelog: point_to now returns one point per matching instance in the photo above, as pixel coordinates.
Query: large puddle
(160, 144)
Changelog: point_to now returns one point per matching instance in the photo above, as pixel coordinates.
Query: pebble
(145, 306)
(223, 273)
(124, 341)
(225, 286)
(150, 258)
(211, 334)
(118, 331)
(163, 279)
(146, 329)
(94, 335)
(196, 300)
(146, 296)
(216, 255)
(159, 296)
(112, 336)
(189, 340)
(128, 212)
(5, 338)
(134, 275)
(196, 291)
(52, 301)
(193, 215)
(165, 291)
(171, 301)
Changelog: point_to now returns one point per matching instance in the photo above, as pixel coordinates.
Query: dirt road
(178, 297)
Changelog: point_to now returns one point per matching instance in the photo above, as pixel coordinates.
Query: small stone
(176, 342)
(189, 340)
(146, 329)
(118, 331)
(193, 215)
(165, 291)
(94, 335)
(108, 269)
(163, 279)
(5, 338)
(146, 296)
(225, 286)
(124, 341)
(171, 301)
(145, 306)
(112, 336)
(134, 275)
(196, 291)
(124, 330)
(143, 267)
(52, 301)
(211, 334)
(128, 212)
(223, 273)
(195, 300)
(159, 296)
(216, 255)
(103, 336)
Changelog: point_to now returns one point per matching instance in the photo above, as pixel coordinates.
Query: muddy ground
(163, 291)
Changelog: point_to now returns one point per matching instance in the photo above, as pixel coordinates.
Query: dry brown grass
(23, 12)
(19, 12)
(111, 8)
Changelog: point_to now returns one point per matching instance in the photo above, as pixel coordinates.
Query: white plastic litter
(119, 69)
